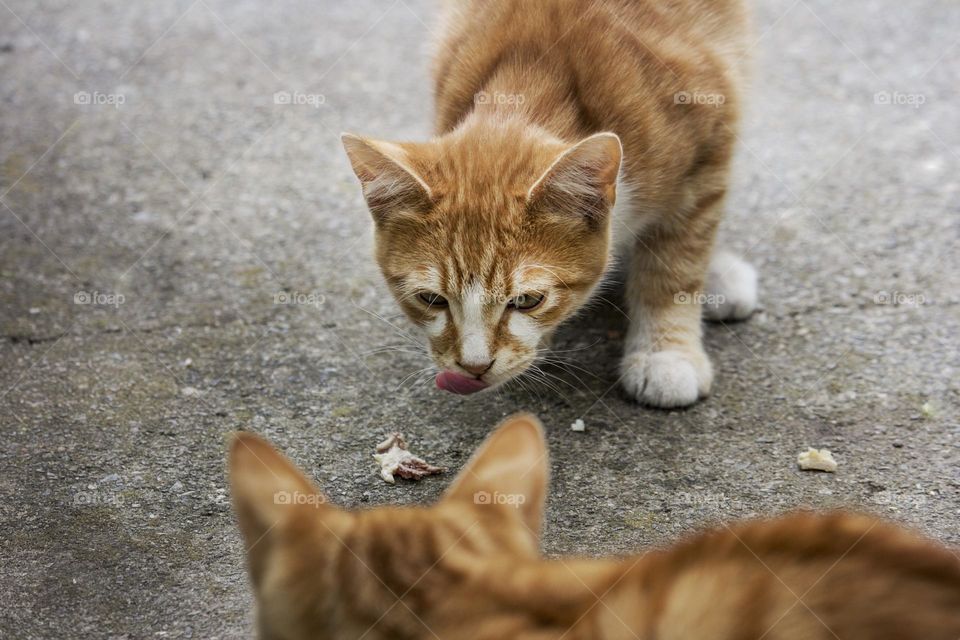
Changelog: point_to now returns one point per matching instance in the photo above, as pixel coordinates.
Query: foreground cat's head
(489, 237)
(322, 572)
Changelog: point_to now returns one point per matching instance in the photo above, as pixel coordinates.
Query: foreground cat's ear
(266, 488)
(582, 180)
(508, 471)
(384, 169)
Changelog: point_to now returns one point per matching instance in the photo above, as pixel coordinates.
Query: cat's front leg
(664, 363)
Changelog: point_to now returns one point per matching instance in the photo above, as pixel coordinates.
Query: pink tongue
(456, 383)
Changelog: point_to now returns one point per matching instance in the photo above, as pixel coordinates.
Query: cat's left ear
(268, 493)
(581, 181)
(390, 182)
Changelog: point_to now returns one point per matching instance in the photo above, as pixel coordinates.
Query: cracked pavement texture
(198, 259)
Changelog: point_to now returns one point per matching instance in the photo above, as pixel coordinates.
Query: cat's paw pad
(667, 379)
(731, 288)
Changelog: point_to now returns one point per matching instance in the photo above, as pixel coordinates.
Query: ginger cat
(468, 567)
(569, 133)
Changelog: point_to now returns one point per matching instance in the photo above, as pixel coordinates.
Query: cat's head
(489, 237)
(319, 571)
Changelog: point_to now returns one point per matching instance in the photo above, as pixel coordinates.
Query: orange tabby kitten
(549, 113)
(468, 566)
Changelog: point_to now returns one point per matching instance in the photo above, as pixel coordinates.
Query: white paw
(731, 288)
(671, 378)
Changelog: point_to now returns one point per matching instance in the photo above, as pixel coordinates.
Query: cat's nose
(476, 368)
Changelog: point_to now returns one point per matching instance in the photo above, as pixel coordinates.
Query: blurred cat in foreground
(469, 567)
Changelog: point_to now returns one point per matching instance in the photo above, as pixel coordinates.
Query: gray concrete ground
(147, 248)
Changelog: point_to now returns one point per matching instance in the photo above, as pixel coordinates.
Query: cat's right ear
(390, 183)
(509, 471)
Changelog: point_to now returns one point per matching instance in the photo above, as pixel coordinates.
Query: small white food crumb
(817, 460)
(578, 425)
(395, 459)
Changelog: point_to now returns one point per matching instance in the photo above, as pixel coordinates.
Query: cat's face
(489, 241)
(319, 571)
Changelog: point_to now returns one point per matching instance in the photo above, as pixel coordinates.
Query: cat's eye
(432, 299)
(525, 301)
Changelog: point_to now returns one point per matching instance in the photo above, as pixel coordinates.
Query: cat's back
(799, 577)
(659, 73)
(551, 20)
(807, 576)
(668, 35)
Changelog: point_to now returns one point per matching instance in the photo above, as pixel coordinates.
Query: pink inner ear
(581, 183)
(592, 164)
(389, 180)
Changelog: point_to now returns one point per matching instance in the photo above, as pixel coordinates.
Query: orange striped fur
(468, 567)
(569, 132)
